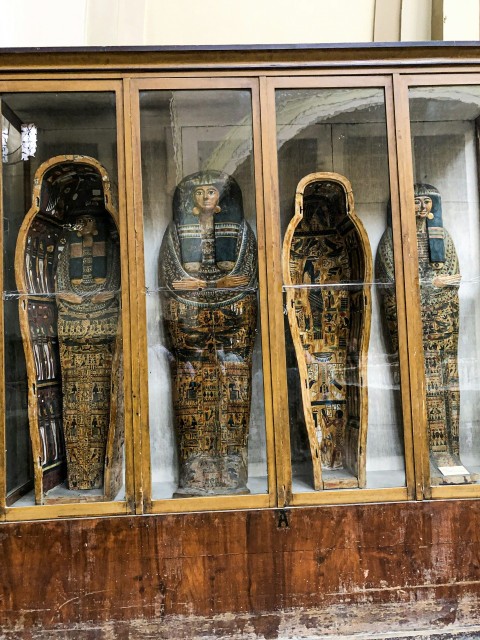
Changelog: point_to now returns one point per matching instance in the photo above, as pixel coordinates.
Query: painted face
(423, 207)
(88, 225)
(206, 198)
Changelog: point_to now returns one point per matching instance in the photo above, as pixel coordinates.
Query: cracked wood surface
(410, 563)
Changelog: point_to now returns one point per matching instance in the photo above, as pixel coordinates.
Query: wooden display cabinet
(380, 118)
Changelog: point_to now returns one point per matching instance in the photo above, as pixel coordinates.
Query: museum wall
(54, 23)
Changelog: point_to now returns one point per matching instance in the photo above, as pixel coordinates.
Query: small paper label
(29, 141)
(454, 471)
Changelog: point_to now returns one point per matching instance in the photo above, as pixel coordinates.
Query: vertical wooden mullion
(141, 433)
(275, 293)
(262, 281)
(123, 182)
(416, 366)
(400, 294)
(3, 435)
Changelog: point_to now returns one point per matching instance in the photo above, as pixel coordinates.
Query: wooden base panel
(63, 496)
(341, 565)
(348, 496)
(212, 503)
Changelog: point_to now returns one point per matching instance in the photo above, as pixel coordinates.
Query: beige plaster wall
(49, 23)
(259, 21)
(461, 19)
(43, 23)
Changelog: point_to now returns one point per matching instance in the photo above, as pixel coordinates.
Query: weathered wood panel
(422, 559)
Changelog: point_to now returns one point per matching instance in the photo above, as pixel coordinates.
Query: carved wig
(435, 230)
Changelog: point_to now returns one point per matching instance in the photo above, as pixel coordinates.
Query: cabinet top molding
(184, 57)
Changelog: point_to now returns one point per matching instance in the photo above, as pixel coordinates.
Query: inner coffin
(327, 271)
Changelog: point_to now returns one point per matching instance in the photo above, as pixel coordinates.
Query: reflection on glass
(62, 300)
(341, 132)
(207, 416)
(444, 131)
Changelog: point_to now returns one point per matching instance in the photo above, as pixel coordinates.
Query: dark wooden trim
(120, 59)
(20, 491)
(426, 44)
(11, 116)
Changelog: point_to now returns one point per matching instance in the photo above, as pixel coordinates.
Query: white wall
(50, 23)
(259, 21)
(461, 20)
(46, 23)
(53, 23)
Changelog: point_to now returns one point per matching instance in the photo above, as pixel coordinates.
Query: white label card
(454, 471)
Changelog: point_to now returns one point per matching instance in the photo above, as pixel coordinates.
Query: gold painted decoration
(208, 273)
(439, 276)
(67, 268)
(327, 269)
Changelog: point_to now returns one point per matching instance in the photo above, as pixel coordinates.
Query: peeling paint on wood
(416, 566)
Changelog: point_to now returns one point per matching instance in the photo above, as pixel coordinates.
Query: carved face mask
(206, 199)
(423, 207)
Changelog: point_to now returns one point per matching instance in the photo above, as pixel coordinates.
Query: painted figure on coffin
(87, 286)
(327, 264)
(67, 269)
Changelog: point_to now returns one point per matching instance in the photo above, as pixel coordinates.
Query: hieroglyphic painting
(439, 276)
(326, 258)
(68, 274)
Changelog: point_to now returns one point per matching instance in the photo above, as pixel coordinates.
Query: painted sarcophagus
(67, 268)
(439, 276)
(327, 269)
(208, 275)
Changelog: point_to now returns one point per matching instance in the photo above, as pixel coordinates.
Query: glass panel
(339, 290)
(64, 393)
(445, 156)
(207, 418)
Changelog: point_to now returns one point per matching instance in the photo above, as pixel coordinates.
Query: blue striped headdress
(436, 241)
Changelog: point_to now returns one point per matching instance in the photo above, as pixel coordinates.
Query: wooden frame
(106, 507)
(142, 425)
(424, 486)
(276, 296)
(127, 73)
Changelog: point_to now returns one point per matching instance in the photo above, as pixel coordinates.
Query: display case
(334, 190)
(444, 154)
(237, 287)
(203, 271)
(64, 300)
